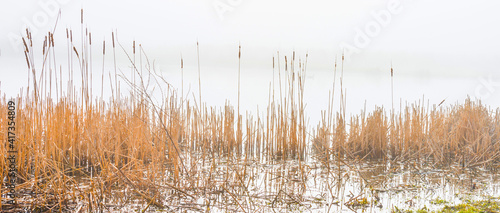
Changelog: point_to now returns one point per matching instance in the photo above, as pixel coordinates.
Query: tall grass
(138, 145)
(465, 133)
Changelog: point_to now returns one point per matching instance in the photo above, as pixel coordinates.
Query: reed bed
(465, 133)
(78, 152)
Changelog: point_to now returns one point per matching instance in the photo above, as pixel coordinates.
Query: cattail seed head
(74, 48)
(90, 39)
(182, 63)
(113, 38)
(44, 45)
(239, 52)
(82, 16)
(133, 45)
(67, 33)
(25, 45)
(27, 61)
(52, 39)
(104, 47)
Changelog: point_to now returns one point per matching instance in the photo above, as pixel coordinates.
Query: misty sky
(450, 43)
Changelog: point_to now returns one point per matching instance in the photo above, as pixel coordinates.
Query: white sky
(448, 42)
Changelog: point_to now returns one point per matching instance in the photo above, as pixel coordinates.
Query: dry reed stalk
(199, 72)
(239, 131)
(114, 62)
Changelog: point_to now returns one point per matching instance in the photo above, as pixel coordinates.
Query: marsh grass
(77, 152)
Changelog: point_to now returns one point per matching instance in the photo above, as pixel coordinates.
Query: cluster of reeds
(77, 150)
(67, 137)
(68, 140)
(465, 133)
(286, 121)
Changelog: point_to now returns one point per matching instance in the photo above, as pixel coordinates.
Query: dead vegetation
(155, 149)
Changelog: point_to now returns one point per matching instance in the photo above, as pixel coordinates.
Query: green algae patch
(483, 206)
(438, 201)
(476, 206)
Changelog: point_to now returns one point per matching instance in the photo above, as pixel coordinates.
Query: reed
(149, 150)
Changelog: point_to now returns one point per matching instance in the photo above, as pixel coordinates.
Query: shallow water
(286, 186)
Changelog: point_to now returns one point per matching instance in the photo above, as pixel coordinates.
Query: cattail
(442, 102)
(27, 61)
(90, 38)
(74, 48)
(25, 45)
(49, 40)
(392, 89)
(103, 47)
(286, 64)
(44, 45)
(133, 45)
(67, 33)
(113, 38)
(71, 35)
(52, 39)
(81, 16)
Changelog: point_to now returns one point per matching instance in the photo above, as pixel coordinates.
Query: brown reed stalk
(239, 131)
(114, 62)
(199, 71)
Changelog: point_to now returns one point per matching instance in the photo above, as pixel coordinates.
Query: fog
(438, 49)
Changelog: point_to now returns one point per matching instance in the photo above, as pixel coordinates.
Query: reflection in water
(320, 186)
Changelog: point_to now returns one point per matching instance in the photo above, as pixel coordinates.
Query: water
(286, 186)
